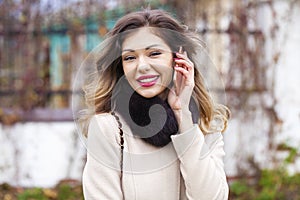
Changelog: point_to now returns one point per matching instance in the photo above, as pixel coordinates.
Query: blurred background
(254, 44)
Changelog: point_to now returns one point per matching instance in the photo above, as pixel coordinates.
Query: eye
(154, 53)
(128, 58)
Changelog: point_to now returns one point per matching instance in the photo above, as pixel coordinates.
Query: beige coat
(190, 167)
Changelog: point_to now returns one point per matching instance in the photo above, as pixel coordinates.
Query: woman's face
(147, 62)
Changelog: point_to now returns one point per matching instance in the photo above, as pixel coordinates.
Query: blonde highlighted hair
(98, 93)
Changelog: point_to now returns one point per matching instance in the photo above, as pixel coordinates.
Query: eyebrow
(149, 47)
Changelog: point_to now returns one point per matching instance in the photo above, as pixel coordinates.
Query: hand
(180, 94)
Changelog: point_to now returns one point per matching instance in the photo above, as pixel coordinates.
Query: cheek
(129, 73)
(167, 68)
(166, 76)
(169, 62)
(127, 68)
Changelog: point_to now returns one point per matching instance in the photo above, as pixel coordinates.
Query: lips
(147, 81)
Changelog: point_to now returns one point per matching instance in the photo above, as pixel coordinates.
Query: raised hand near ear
(181, 93)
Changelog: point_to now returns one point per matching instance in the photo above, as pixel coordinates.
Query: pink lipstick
(147, 81)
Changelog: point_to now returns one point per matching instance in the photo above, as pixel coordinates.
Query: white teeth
(146, 80)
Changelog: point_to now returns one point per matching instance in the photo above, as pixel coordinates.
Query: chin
(148, 93)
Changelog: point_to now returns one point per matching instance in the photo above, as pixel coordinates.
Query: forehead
(142, 38)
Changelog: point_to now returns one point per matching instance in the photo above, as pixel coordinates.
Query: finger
(178, 81)
(188, 64)
(184, 72)
(182, 83)
(182, 55)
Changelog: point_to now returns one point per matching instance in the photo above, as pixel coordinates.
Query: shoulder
(102, 142)
(103, 125)
(103, 121)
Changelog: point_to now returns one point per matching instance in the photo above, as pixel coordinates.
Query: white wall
(250, 136)
(40, 154)
(288, 82)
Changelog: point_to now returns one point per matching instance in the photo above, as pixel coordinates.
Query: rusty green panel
(59, 45)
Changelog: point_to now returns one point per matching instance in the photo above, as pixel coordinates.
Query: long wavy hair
(98, 93)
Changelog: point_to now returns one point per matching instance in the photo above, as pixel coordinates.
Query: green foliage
(35, 193)
(68, 190)
(273, 184)
(292, 156)
(270, 184)
(65, 191)
(239, 187)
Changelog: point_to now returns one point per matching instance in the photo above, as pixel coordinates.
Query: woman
(153, 135)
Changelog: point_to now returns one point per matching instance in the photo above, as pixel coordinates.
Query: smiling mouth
(147, 81)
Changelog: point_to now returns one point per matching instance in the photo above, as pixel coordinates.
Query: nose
(143, 65)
